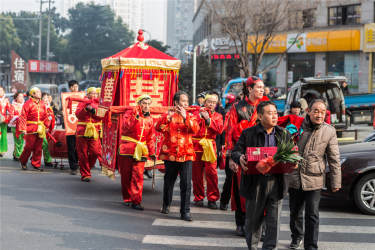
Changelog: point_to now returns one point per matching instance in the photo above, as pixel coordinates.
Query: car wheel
(364, 194)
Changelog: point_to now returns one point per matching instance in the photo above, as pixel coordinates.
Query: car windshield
(328, 91)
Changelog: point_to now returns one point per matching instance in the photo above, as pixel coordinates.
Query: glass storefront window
(344, 64)
(270, 76)
(301, 65)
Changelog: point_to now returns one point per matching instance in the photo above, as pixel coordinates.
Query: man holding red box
(262, 192)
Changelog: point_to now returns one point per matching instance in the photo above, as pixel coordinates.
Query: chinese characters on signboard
(18, 72)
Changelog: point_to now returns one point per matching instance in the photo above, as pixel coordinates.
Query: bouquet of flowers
(286, 154)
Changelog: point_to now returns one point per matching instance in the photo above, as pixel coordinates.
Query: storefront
(330, 52)
(369, 49)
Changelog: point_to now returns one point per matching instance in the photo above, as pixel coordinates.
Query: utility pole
(48, 29)
(194, 73)
(40, 32)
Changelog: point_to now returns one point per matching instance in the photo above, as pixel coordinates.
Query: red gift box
(255, 154)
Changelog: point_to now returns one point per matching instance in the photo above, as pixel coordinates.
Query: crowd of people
(197, 140)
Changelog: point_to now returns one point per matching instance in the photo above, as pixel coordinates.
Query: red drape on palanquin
(134, 71)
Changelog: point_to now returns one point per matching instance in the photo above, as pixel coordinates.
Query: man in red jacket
(177, 151)
(89, 127)
(137, 142)
(210, 125)
(33, 122)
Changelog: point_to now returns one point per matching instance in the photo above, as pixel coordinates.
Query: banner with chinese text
(70, 119)
(109, 147)
(18, 72)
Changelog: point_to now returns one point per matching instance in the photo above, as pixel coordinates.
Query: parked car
(358, 176)
(328, 88)
(63, 88)
(51, 89)
(370, 137)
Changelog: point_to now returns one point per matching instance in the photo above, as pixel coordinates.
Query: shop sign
(223, 43)
(18, 71)
(43, 66)
(225, 56)
(369, 38)
(318, 41)
(296, 43)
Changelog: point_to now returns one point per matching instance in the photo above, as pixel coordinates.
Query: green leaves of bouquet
(286, 150)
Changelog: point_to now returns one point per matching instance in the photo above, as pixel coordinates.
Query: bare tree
(255, 23)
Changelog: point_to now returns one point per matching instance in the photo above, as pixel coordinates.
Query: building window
(344, 15)
(344, 64)
(308, 17)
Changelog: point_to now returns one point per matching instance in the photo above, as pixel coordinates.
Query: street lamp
(194, 53)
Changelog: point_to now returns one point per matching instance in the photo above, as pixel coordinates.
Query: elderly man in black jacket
(263, 193)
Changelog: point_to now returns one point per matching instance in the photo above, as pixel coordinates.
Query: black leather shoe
(24, 167)
(165, 210)
(138, 207)
(186, 217)
(15, 158)
(148, 174)
(38, 169)
(295, 244)
(198, 203)
(127, 204)
(86, 179)
(240, 231)
(212, 205)
(223, 206)
(48, 164)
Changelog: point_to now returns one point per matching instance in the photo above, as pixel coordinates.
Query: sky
(155, 17)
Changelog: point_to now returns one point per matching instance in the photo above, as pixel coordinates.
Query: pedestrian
(137, 143)
(5, 117)
(210, 125)
(317, 144)
(267, 92)
(51, 125)
(177, 151)
(32, 123)
(263, 193)
(241, 115)
(200, 99)
(17, 104)
(296, 108)
(71, 139)
(89, 127)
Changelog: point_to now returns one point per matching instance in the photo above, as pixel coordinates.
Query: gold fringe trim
(149, 63)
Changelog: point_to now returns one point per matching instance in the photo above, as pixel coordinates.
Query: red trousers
(131, 179)
(88, 151)
(213, 193)
(33, 144)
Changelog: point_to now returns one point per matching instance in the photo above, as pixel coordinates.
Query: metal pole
(194, 73)
(40, 32)
(48, 29)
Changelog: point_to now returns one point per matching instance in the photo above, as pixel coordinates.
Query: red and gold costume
(206, 157)
(88, 131)
(137, 142)
(33, 122)
(178, 141)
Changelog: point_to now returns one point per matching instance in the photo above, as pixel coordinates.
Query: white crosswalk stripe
(349, 229)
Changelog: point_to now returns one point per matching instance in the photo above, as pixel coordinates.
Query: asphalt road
(55, 210)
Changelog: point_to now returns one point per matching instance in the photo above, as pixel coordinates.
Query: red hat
(231, 98)
(252, 80)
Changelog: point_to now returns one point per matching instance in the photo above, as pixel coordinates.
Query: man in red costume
(210, 125)
(177, 151)
(242, 115)
(33, 122)
(89, 127)
(136, 144)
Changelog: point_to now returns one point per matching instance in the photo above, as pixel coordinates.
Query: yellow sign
(319, 41)
(369, 38)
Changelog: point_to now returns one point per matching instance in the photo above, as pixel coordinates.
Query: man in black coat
(263, 193)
